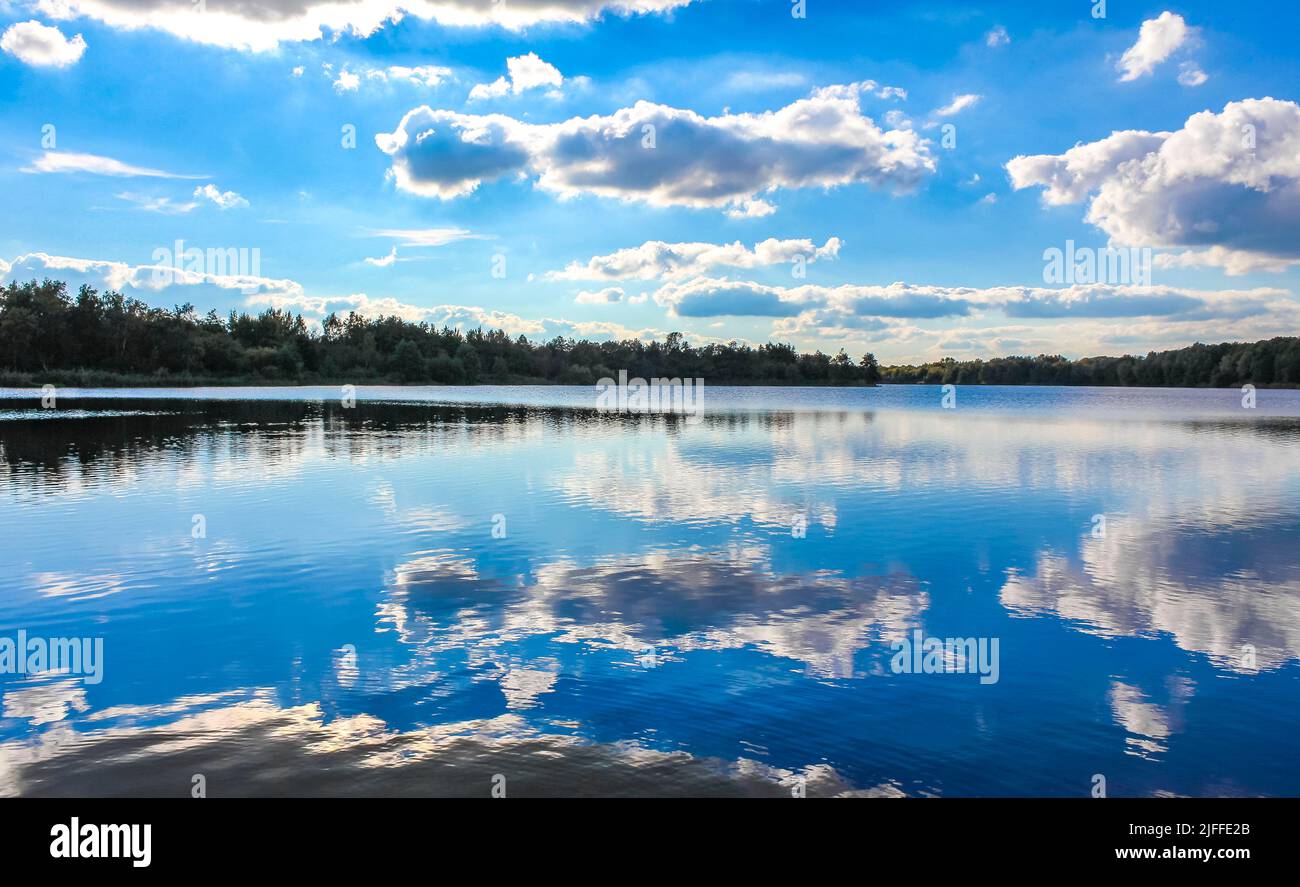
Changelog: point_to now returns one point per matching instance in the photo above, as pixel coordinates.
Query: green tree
(467, 357)
(407, 362)
(870, 369)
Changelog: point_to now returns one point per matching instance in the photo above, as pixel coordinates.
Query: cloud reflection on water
(649, 625)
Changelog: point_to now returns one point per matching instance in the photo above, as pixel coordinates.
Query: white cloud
(1233, 262)
(1229, 180)
(817, 306)
(223, 199)
(1073, 337)
(530, 72)
(607, 296)
(298, 71)
(168, 206)
(897, 119)
(1069, 177)
(524, 72)
(143, 280)
(1158, 38)
(347, 81)
(427, 76)
(427, 236)
(1191, 75)
(263, 24)
(155, 204)
(66, 161)
(750, 209)
(421, 75)
(958, 104)
(42, 46)
(383, 261)
(660, 155)
(998, 36)
(495, 89)
(656, 259)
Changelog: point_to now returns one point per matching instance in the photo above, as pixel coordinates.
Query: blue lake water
(439, 591)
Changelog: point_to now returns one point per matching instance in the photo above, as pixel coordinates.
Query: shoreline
(94, 379)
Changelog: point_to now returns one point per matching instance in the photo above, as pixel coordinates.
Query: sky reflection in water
(649, 625)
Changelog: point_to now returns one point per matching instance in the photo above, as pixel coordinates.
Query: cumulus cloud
(42, 46)
(1070, 177)
(610, 295)
(751, 209)
(144, 280)
(719, 296)
(222, 199)
(818, 307)
(263, 24)
(1073, 336)
(523, 73)
(711, 297)
(1229, 181)
(347, 81)
(66, 161)
(1233, 262)
(656, 259)
(660, 155)
(998, 36)
(1111, 301)
(1158, 38)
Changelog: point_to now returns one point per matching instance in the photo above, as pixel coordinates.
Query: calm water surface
(645, 619)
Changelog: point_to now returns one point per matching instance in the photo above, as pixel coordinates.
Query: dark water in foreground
(651, 621)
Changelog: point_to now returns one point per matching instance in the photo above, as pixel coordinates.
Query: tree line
(45, 330)
(96, 338)
(1269, 363)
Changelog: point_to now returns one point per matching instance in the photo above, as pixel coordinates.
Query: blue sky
(869, 147)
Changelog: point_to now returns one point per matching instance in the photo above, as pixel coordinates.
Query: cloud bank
(1226, 185)
(818, 306)
(661, 155)
(261, 25)
(656, 259)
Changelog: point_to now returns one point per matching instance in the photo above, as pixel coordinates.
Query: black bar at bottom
(213, 836)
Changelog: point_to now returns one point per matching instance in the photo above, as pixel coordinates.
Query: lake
(441, 591)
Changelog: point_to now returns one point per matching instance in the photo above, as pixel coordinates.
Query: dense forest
(93, 338)
(1271, 363)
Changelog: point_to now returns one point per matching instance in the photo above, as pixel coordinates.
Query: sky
(918, 180)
